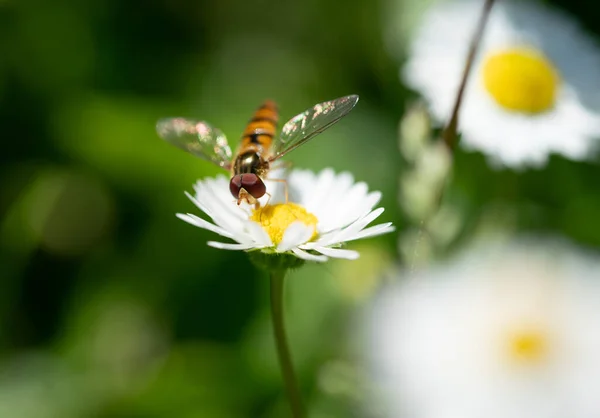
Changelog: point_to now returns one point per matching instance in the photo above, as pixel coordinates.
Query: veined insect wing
(198, 138)
(305, 126)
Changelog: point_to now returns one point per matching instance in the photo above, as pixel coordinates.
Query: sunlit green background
(112, 307)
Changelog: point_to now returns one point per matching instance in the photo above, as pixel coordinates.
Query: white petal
(301, 185)
(199, 204)
(370, 201)
(323, 240)
(295, 234)
(219, 188)
(354, 196)
(223, 204)
(309, 257)
(229, 246)
(341, 220)
(373, 231)
(227, 216)
(201, 223)
(338, 253)
(335, 195)
(322, 188)
(258, 234)
(352, 230)
(336, 212)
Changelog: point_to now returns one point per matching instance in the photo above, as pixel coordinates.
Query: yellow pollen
(275, 219)
(528, 346)
(521, 80)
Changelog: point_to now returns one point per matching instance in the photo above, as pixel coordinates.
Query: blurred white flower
(323, 212)
(503, 331)
(534, 88)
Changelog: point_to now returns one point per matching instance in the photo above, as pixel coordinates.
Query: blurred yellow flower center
(528, 346)
(275, 219)
(521, 80)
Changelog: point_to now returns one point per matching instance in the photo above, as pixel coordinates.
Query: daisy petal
(338, 253)
(209, 204)
(201, 223)
(371, 200)
(200, 206)
(258, 234)
(297, 233)
(373, 231)
(225, 211)
(336, 195)
(349, 232)
(308, 257)
(321, 187)
(357, 211)
(229, 246)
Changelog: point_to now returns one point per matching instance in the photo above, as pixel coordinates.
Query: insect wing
(197, 138)
(310, 123)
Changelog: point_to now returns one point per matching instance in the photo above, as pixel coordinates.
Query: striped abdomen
(261, 129)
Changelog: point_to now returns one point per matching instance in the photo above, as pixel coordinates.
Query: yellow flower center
(275, 219)
(529, 346)
(521, 80)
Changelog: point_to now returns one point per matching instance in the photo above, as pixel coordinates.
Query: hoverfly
(259, 148)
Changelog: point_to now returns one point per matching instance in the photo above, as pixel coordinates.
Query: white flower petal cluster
(436, 59)
(342, 207)
(505, 331)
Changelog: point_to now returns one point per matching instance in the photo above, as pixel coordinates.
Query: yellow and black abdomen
(261, 129)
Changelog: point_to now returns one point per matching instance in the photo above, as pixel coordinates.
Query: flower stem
(449, 134)
(283, 351)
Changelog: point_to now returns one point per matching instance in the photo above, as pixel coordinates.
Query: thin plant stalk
(449, 135)
(281, 343)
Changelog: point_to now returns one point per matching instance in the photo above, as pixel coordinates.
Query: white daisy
(534, 87)
(322, 212)
(502, 332)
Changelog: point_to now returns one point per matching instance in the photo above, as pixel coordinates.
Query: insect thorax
(249, 162)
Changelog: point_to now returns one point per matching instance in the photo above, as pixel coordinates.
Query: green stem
(449, 135)
(283, 351)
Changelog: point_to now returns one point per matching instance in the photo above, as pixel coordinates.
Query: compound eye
(253, 185)
(235, 185)
(250, 182)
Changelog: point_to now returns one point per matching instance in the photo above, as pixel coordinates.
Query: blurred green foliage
(112, 307)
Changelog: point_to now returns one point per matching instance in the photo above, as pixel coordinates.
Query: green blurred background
(112, 307)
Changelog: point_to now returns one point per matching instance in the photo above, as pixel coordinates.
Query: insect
(259, 148)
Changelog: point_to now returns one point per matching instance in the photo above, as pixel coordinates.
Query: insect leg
(285, 187)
